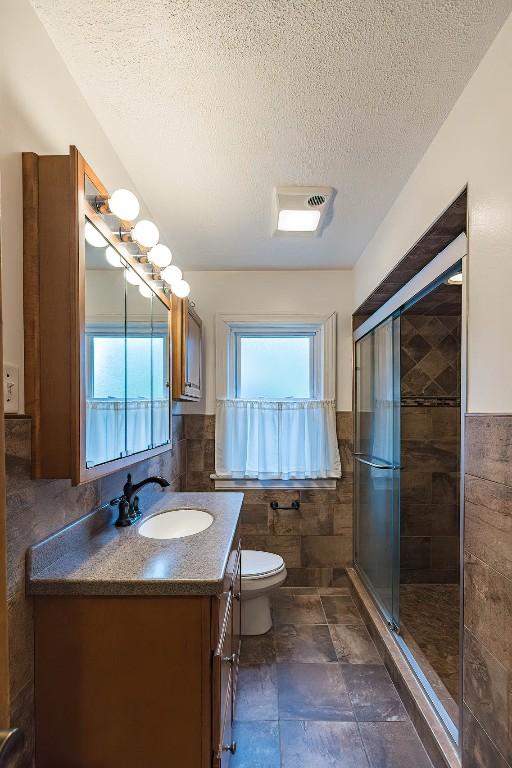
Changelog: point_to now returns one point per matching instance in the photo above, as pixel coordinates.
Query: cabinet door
(193, 354)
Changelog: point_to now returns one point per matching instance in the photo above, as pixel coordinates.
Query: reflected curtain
(116, 428)
(276, 440)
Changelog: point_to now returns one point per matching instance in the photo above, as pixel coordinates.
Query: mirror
(127, 357)
(138, 363)
(161, 373)
(105, 371)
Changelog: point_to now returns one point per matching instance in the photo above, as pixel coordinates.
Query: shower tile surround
(430, 439)
(34, 510)
(316, 540)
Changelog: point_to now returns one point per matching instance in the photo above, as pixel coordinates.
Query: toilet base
(256, 615)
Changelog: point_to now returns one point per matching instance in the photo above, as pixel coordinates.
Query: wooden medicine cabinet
(187, 351)
(97, 328)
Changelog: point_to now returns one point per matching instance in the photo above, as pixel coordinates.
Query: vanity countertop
(93, 557)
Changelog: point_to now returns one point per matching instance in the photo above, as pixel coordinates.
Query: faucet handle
(123, 519)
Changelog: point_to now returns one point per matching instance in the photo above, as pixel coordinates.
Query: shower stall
(407, 472)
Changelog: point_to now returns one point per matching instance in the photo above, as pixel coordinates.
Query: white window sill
(240, 484)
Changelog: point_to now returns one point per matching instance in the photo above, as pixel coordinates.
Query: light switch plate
(11, 388)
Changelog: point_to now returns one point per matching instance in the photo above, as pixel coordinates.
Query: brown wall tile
(415, 553)
(488, 608)
(286, 546)
(312, 519)
(310, 577)
(478, 751)
(254, 518)
(488, 523)
(487, 692)
(322, 551)
(488, 443)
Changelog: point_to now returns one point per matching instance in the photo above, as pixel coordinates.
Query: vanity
(137, 637)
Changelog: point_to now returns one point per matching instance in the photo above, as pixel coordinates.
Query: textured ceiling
(210, 103)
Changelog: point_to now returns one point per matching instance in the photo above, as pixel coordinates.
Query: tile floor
(313, 692)
(429, 623)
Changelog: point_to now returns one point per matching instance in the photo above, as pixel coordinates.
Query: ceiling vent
(301, 211)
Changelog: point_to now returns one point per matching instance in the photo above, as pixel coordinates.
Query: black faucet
(129, 510)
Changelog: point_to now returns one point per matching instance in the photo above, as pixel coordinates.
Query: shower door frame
(422, 283)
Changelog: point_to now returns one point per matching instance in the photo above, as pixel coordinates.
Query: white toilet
(261, 572)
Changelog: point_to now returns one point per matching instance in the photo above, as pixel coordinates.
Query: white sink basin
(175, 524)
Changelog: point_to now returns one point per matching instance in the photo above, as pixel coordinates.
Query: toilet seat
(260, 565)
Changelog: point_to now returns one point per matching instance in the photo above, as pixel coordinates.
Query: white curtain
(276, 440)
(119, 427)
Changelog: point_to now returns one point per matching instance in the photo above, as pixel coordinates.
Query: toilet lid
(258, 564)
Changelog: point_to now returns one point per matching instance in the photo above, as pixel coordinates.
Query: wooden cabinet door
(187, 351)
(193, 355)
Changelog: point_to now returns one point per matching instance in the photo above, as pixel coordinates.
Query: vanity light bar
(145, 235)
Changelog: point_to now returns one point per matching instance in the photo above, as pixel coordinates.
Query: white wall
(299, 292)
(473, 146)
(41, 110)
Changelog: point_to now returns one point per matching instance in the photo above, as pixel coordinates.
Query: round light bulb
(124, 204)
(160, 255)
(145, 291)
(132, 277)
(181, 289)
(171, 274)
(113, 258)
(455, 279)
(145, 233)
(94, 237)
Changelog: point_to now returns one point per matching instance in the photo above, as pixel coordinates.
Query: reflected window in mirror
(127, 355)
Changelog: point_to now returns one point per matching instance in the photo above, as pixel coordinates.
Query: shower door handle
(360, 457)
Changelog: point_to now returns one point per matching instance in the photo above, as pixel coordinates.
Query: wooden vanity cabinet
(127, 681)
(187, 351)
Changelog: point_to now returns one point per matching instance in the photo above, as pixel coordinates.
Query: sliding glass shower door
(377, 463)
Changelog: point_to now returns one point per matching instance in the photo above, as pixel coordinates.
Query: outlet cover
(11, 388)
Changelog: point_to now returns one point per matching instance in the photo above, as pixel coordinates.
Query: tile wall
(487, 660)
(316, 540)
(430, 355)
(430, 494)
(430, 448)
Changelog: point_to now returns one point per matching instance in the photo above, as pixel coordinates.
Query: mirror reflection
(126, 356)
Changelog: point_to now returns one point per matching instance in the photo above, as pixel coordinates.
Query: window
(275, 366)
(145, 376)
(276, 415)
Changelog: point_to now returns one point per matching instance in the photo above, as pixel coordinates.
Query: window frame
(322, 327)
